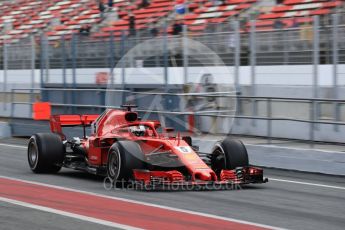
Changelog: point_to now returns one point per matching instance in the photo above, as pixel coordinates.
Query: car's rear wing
(59, 121)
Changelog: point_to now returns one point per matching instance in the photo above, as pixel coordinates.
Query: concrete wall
(5, 130)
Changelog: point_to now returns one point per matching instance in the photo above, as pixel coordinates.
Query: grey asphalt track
(17, 217)
(277, 203)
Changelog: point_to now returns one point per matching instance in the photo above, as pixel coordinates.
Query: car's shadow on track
(192, 189)
(83, 176)
(252, 187)
(80, 176)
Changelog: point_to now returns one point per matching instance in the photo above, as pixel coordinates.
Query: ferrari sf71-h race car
(123, 147)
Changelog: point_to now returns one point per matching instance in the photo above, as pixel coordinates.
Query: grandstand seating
(144, 17)
(302, 10)
(23, 18)
(199, 17)
(28, 16)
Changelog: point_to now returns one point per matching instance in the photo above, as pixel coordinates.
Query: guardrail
(313, 104)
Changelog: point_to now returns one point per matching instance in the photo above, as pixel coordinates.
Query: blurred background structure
(286, 58)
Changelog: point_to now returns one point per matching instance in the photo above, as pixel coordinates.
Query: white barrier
(5, 130)
(289, 75)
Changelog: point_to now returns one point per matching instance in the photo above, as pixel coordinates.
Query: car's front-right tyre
(229, 154)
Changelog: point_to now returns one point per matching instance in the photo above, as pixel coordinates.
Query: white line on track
(278, 146)
(147, 204)
(13, 146)
(306, 183)
(294, 148)
(67, 214)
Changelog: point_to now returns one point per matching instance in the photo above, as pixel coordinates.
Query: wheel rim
(218, 161)
(33, 154)
(114, 165)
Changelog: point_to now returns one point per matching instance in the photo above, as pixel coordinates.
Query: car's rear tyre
(123, 157)
(229, 154)
(45, 153)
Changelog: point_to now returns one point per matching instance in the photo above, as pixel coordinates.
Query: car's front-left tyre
(45, 153)
(123, 158)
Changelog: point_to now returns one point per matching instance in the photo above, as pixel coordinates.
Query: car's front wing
(228, 179)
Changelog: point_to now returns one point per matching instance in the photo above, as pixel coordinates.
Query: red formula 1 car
(123, 147)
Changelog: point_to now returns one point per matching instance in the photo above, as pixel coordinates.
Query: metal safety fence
(309, 44)
(316, 113)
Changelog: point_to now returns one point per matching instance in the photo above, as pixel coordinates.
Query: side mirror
(169, 129)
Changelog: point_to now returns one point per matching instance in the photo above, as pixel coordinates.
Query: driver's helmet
(138, 130)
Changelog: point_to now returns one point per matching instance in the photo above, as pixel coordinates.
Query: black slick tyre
(45, 153)
(229, 154)
(123, 157)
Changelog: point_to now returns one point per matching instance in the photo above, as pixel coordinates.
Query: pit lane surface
(318, 202)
